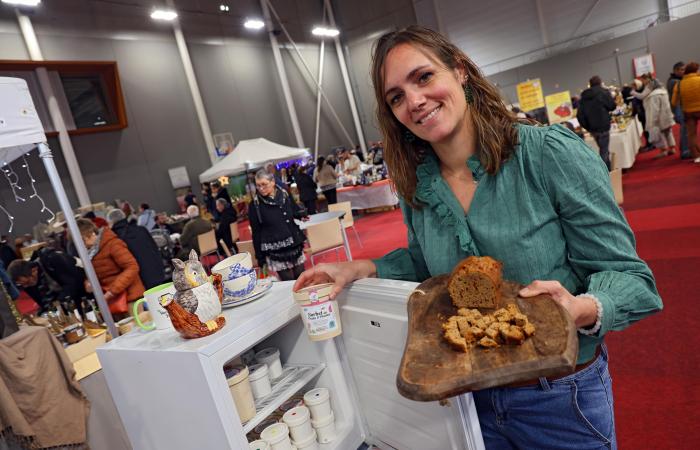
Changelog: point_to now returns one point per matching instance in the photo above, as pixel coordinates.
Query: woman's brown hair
(691, 67)
(86, 227)
(496, 136)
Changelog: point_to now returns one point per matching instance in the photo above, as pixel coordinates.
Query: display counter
(624, 144)
(173, 393)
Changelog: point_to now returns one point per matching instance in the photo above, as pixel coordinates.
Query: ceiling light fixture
(224, 8)
(163, 14)
(254, 24)
(323, 31)
(22, 2)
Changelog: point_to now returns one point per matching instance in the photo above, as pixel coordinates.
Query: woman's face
(265, 186)
(89, 239)
(426, 97)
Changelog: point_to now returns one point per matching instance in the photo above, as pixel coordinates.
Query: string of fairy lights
(13, 179)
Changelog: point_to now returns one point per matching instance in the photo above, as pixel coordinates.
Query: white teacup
(239, 287)
(234, 266)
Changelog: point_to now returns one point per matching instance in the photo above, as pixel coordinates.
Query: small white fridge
(172, 393)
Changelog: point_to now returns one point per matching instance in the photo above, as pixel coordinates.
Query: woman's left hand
(583, 310)
(109, 296)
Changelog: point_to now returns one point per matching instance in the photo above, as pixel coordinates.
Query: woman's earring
(468, 94)
(409, 137)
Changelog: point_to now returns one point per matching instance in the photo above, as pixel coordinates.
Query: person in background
(687, 94)
(98, 221)
(284, 177)
(307, 190)
(8, 283)
(129, 212)
(227, 217)
(142, 246)
(272, 170)
(659, 117)
(277, 239)
(162, 223)
(638, 110)
(208, 198)
(351, 164)
(7, 254)
(9, 315)
(218, 192)
(190, 198)
(196, 226)
(147, 217)
(327, 179)
(473, 180)
(358, 152)
(675, 78)
(594, 115)
(50, 275)
(115, 266)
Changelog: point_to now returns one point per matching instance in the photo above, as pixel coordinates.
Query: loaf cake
(476, 283)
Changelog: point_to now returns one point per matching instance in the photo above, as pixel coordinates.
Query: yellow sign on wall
(530, 95)
(559, 108)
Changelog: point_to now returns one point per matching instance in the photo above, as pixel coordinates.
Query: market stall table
(375, 195)
(322, 217)
(623, 143)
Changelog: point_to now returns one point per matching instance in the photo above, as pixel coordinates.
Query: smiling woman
(421, 75)
(474, 181)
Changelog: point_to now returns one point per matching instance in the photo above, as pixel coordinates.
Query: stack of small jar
(249, 384)
(303, 427)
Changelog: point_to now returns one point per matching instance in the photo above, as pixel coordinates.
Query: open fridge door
(374, 320)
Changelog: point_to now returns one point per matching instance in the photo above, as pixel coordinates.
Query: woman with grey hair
(277, 239)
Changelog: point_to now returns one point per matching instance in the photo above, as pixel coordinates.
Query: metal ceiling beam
(585, 19)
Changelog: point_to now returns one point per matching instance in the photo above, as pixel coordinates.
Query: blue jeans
(680, 120)
(574, 412)
(602, 138)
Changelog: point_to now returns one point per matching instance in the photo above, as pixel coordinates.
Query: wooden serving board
(432, 370)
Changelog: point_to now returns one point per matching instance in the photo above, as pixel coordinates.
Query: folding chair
(324, 237)
(247, 246)
(227, 252)
(348, 221)
(207, 246)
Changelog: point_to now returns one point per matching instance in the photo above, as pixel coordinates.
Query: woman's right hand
(339, 274)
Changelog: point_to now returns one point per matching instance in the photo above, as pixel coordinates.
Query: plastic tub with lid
(299, 422)
(319, 403)
(320, 314)
(241, 392)
(310, 443)
(277, 435)
(258, 445)
(271, 357)
(325, 428)
(259, 381)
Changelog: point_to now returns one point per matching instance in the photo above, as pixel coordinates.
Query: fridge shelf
(293, 378)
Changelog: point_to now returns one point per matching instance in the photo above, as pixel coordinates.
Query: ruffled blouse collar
(433, 192)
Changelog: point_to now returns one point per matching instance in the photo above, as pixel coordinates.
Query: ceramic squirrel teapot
(196, 306)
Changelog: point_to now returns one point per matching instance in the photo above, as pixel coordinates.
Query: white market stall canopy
(21, 132)
(20, 128)
(250, 154)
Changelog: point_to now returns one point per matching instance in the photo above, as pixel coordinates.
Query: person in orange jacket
(687, 92)
(115, 266)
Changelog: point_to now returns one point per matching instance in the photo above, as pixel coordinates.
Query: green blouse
(548, 214)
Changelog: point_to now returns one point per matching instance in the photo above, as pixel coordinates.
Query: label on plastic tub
(320, 318)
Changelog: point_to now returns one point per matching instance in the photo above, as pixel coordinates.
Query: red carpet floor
(654, 363)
